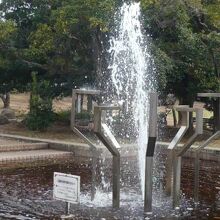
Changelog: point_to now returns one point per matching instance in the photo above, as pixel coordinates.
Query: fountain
(131, 77)
(131, 82)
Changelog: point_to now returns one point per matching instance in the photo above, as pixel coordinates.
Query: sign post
(66, 188)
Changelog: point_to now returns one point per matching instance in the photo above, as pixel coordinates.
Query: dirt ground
(61, 131)
(20, 103)
(57, 131)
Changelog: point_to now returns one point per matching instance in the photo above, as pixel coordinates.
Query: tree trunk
(6, 99)
(215, 65)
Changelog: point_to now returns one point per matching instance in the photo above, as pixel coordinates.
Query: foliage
(62, 40)
(186, 44)
(7, 29)
(41, 113)
(212, 9)
(84, 115)
(7, 32)
(63, 116)
(56, 39)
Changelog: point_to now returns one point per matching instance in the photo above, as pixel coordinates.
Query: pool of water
(27, 194)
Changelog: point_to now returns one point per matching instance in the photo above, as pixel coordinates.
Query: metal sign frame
(177, 157)
(63, 184)
(197, 164)
(106, 137)
(77, 102)
(76, 97)
(150, 152)
(172, 147)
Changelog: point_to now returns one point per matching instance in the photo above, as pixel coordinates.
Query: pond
(27, 194)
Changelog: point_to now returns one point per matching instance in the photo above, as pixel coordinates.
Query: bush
(63, 116)
(41, 110)
(84, 116)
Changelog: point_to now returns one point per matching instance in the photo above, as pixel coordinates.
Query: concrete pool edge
(83, 150)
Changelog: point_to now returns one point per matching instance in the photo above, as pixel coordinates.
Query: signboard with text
(66, 187)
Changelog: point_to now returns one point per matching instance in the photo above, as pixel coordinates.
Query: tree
(7, 33)
(61, 40)
(185, 34)
(64, 42)
(69, 45)
(41, 114)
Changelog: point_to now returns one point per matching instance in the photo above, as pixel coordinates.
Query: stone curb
(22, 147)
(83, 150)
(78, 149)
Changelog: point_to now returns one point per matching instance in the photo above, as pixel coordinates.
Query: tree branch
(34, 64)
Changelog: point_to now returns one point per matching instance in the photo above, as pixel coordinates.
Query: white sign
(66, 187)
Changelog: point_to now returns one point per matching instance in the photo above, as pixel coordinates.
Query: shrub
(84, 116)
(41, 109)
(63, 116)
